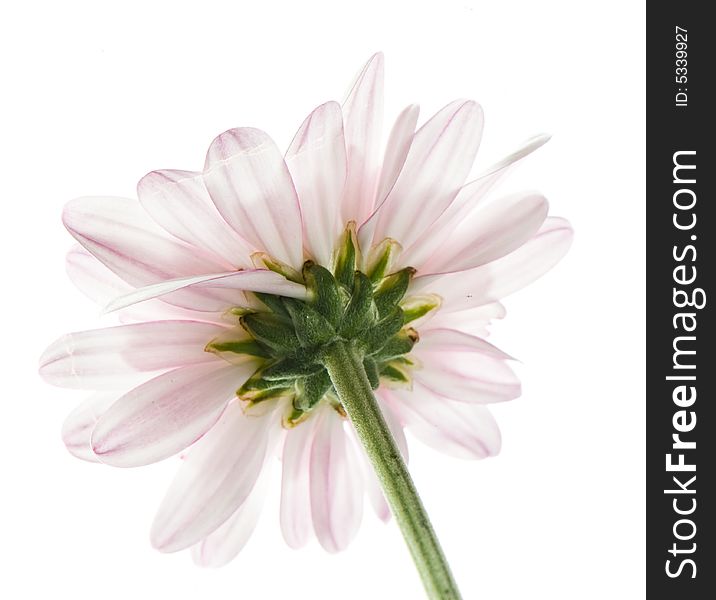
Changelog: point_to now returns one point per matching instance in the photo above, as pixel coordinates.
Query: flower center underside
(366, 308)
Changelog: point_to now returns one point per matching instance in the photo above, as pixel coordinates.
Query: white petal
(101, 286)
(317, 161)
(78, 426)
(370, 479)
(491, 233)
(101, 358)
(455, 428)
(251, 187)
(224, 544)
(217, 476)
(296, 521)
(495, 280)
(255, 280)
(336, 489)
(440, 157)
(180, 203)
(469, 197)
(363, 110)
(465, 376)
(166, 414)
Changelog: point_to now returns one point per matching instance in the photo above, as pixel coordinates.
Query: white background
(96, 94)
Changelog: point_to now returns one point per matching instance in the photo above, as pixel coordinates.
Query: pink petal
(495, 280)
(180, 203)
(363, 110)
(370, 479)
(166, 414)
(216, 478)
(317, 161)
(464, 375)
(101, 358)
(224, 544)
(396, 150)
(255, 280)
(469, 197)
(440, 157)
(336, 489)
(491, 233)
(473, 321)
(101, 286)
(455, 428)
(78, 426)
(435, 339)
(296, 521)
(251, 187)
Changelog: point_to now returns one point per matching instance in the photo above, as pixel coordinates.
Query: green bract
(291, 337)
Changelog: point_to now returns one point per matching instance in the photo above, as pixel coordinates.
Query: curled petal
(78, 426)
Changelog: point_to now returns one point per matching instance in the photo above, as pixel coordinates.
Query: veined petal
(473, 321)
(397, 148)
(78, 426)
(216, 478)
(121, 235)
(468, 198)
(316, 160)
(180, 203)
(363, 114)
(439, 160)
(454, 428)
(465, 376)
(495, 280)
(491, 233)
(336, 490)
(370, 479)
(224, 544)
(255, 280)
(101, 286)
(166, 414)
(296, 520)
(101, 358)
(435, 339)
(251, 187)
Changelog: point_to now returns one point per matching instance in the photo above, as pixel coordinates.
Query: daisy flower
(307, 305)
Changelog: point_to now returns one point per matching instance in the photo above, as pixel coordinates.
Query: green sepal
(311, 389)
(401, 343)
(311, 327)
(415, 307)
(396, 374)
(290, 368)
(360, 312)
(327, 296)
(275, 332)
(391, 290)
(378, 336)
(345, 261)
(381, 259)
(257, 388)
(261, 260)
(250, 347)
(371, 371)
(273, 303)
(293, 417)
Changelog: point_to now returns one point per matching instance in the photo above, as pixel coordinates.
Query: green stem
(345, 366)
